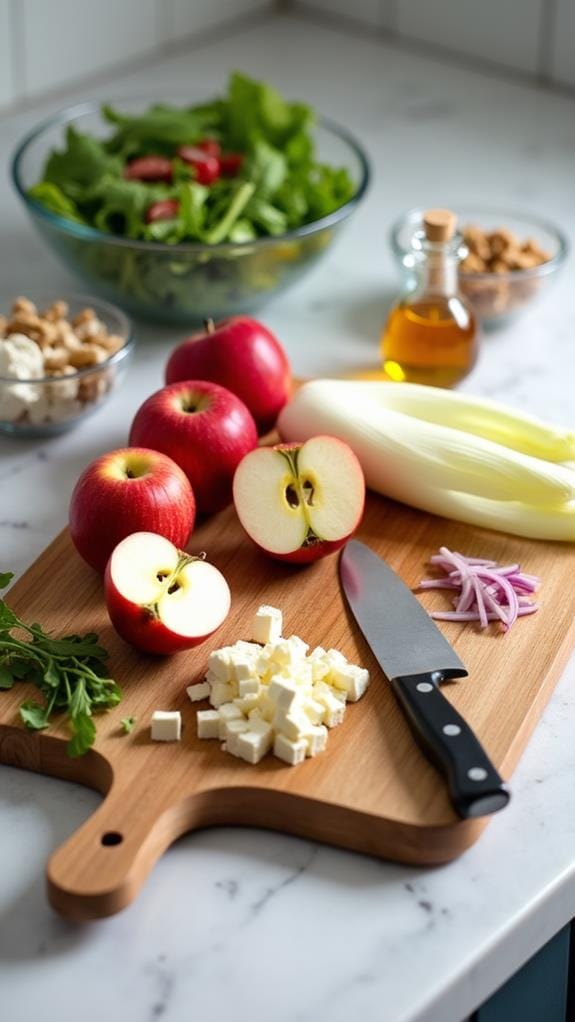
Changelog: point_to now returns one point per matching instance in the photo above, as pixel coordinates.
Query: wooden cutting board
(371, 791)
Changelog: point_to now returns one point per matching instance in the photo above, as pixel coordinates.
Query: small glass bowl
(496, 297)
(54, 404)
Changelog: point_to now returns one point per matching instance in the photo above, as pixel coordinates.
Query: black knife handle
(475, 786)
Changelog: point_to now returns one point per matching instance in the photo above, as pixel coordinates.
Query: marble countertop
(238, 920)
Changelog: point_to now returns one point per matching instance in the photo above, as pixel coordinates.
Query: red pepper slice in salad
(149, 168)
(211, 147)
(165, 209)
(230, 164)
(207, 167)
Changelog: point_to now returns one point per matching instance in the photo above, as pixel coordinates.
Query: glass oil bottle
(431, 335)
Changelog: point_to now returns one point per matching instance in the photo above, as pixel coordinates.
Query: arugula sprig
(69, 672)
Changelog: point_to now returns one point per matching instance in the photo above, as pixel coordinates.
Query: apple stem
(209, 326)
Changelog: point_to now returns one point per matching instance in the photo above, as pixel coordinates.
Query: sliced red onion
(484, 591)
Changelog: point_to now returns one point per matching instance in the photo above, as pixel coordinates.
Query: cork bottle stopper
(439, 224)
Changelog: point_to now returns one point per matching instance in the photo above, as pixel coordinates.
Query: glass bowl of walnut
(59, 361)
(508, 258)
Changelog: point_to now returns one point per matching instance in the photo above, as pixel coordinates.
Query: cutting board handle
(102, 866)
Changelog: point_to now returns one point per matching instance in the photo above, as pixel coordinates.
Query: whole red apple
(299, 502)
(206, 430)
(160, 599)
(243, 355)
(125, 491)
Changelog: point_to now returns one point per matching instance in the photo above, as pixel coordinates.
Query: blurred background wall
(49, 45)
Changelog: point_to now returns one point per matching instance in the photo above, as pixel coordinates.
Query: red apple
(160, 599)
(125, 491)
(206, 430)
(242, 355)
(299, 502)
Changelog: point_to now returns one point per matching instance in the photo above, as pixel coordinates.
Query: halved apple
(159, 598)
(299, 502)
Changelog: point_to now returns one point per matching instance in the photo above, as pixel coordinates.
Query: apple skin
(243, 355)
(107, 505)
(136, 625)
(207, 443)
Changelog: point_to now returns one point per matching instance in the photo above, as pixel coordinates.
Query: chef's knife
(416, 658)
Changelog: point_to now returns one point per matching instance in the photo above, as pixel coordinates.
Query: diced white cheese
(248, 686)
(320, 668)
(293, 724)
(315, 710)
(220, 665)
(267, 624)
(262, 663)
(243, 667)
(266, 705)
(316, 740)
(282, 691)
(299, 645)
(208, 724)
(353, 680)
(334, 656)
(222, 693)
(287, 653)
(251, 649)
(303, 674)
(334, 708)
(166, 726)
(252, 745)
(256, 714)
(247, 703)
(291, 752)
(228, 712)
(199, 691)
(232, 731)
(317, 653)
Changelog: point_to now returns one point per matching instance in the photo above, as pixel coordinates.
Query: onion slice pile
(483, 590)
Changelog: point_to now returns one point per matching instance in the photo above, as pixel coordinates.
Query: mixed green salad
(234, 169)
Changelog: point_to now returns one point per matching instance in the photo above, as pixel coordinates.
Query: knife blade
(416, 658)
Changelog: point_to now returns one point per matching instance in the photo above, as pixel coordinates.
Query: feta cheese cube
(247, 703)
(208, 724)
(320, 667)
(287, 653)
(266, 705)
(222, 693)
(353, 680)
(243, 667)
(220, 664)
(299, 645)
(282, 691)
(233, 728)
(293, 724)
(316, 740)
(334, 708)
(255, 714)
(248, 686)
(334, 656)
(199, 691)
(267, 624)
(315, 710)
(262, 663)
(228, 712)
(303, 674)
(166, 726)
(317, 653)
(250, 649)
(289, 751)
(252, 745)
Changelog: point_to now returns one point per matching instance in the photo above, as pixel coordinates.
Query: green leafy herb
(128, 724)
(280, 186)
(69, 672)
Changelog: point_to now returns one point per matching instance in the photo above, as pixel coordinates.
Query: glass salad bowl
(185, 282)
(46, 403)
(496, 297)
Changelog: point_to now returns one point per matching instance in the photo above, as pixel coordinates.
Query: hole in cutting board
(112, 837)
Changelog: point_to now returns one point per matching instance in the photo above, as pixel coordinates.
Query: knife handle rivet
(424, 686)
(451, 730)
(477, 774)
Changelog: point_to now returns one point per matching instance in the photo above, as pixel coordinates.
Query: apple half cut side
(159, 598)
(299, 502)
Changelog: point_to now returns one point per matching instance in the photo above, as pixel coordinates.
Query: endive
(447, 469)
